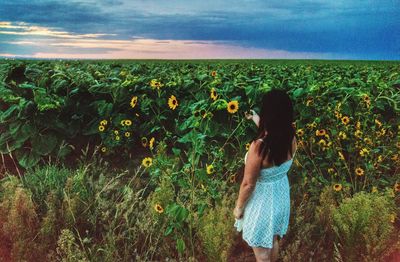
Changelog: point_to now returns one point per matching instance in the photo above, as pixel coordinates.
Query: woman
(263, 206)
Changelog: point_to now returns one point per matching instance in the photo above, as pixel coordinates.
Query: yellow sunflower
(153, 83)
(364, 152)
(342, 135)
(366, 98)
(172, 102)
(378, 123)
(358, 125)
(117, 138)
(322, 142)
(300, 132)
(309, 101)
(122, 122)
(101, 128)
(128, 122)
(358, 133)
(233, 106)
(247, 146)
(127, 134)
(144, 141)
(103, 149)
(213, 73)
(232, 178)
(158, 208)
(210, 169)
(103, 122)
(321, 132)
(338, 114)
(213, 94)
(341, 156)
(147, 161)
(116, 132)
(337, 187)
(134, 101)
(359, 171)
(368, 141)
(331, 170)
(380, 158)
(374, 189)
(345, 120)
(151, 143)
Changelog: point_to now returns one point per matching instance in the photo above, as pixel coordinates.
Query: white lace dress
(267, 211)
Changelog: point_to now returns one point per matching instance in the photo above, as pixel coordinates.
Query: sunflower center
(232, 106)
(174, 102)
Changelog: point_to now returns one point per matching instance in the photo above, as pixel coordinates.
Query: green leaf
(44, 144)
(27, 159)
(169, 230)
(180, 245)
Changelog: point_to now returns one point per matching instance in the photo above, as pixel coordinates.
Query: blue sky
(339, 29)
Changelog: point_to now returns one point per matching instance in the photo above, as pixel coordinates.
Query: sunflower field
(142, 160)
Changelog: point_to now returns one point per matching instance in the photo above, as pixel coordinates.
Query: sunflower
(374, 189)
(153, 83)
(309, 101)
(359, 171)
(358, 125)
(144, 141)
(300, 132)
(322, 142)
(321, 132)
(147, 161)
(247, 146)
(380, 158)
(233, 106)
(232, 178)
(383, 131)
(103, 122)
(127, 134)
(396, 187)
(338, 114)
(368, 141)
(337, 187)
(117, 138)
(341, 156)
(172, 102)
(358, 133)
(345, 120)
(116, 132)
(342, 135)
(364, 152)
(210, 169)
(128, 122)
(159, 208)
(103, 149)
(213, 73)
(213, 94)
(101, 128)
(378, 123)
(134, 101)
(331, 170)
(151, 143)
(122, 122)
(366, 98)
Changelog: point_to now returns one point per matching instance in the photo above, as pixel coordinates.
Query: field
(142, 160)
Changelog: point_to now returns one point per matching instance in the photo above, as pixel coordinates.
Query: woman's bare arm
(251, 173)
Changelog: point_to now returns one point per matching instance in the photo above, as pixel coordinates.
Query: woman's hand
(238, 212)
(253, 116)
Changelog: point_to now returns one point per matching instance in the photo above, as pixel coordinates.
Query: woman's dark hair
(276, 117)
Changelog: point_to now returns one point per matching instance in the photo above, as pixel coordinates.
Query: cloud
(359, 29)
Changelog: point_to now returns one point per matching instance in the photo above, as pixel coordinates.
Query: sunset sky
(114, 29)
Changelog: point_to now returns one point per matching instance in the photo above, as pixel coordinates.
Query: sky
(206, 29)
